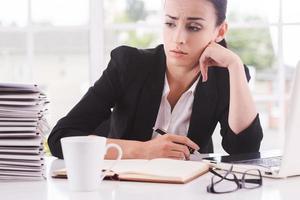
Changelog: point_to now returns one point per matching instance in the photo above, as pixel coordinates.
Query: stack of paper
(22, 131)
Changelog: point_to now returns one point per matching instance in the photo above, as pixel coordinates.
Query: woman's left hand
(217, 55)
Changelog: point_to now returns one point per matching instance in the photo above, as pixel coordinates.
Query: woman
(185, 86)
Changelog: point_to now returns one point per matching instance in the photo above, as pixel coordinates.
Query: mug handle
(120, 154)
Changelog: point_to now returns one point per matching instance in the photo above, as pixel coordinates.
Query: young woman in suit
(185, 86)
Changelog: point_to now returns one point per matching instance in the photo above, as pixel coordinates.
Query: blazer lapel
(201, 122)
(204, 106)
(149, 99)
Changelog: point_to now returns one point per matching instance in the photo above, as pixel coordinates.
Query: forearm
(242, 110)
(131, 149)
(55, 137)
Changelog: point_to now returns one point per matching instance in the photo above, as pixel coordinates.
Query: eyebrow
(188, 18)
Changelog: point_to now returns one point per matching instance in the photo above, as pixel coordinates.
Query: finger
(176, 155)
(205, 71)
(210, 62)
(203, 66)
(181, 148)
(184, 140)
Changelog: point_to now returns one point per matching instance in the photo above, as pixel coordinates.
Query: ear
(222, 30)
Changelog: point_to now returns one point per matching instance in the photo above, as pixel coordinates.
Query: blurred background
(64, 45)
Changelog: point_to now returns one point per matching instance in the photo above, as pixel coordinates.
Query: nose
(179, 36)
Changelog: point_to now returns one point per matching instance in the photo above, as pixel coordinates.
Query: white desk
(57, 189)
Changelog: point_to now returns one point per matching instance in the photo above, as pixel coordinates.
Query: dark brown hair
(221, 8)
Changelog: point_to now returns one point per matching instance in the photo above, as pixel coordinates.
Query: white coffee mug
(84, 157)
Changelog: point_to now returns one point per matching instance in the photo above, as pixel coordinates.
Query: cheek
(198, 44)
(166, 32)
(200, 40)
(198, 47)
(166, 37)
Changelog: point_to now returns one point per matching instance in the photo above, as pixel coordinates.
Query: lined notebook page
(157, 167)
(127, 165)
(173, 168)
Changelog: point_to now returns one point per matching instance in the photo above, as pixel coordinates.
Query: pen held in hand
(161, 132)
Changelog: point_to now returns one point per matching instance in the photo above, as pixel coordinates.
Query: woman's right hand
(168, 146)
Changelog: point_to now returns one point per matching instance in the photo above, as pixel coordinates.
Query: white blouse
(178, 120)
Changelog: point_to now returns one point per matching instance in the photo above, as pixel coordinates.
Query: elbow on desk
(54, 145)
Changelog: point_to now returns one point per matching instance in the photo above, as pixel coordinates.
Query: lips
(178, 52)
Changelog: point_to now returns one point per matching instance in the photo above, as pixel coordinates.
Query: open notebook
(157, 170)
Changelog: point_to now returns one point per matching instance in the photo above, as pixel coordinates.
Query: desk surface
(57, 189)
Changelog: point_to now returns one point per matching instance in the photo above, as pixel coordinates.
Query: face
(188, 29)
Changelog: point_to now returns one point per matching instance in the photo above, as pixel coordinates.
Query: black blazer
(125, 101)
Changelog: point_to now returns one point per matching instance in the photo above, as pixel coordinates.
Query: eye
(194, 28)
(170, 24)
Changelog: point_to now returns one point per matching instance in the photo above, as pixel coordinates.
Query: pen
(162, 132)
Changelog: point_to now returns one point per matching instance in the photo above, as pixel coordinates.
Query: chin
(177, 62)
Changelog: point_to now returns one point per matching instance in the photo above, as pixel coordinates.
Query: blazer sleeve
(246, 141)
(95, 107)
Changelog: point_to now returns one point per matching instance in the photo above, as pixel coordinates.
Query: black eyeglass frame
(241, 183)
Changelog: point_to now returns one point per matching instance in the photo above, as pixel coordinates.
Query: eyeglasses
(250, 179)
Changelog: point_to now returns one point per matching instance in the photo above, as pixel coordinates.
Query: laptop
(274, 164)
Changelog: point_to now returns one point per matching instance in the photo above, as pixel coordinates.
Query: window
(64, 45)
(131, 22)
(47, 42)
(264, 38)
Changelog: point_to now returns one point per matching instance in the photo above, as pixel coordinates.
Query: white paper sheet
(35, 141)
(28, 150)
(10, 95)
(37, 163)
(9, 123)
(21, 157)
(19, 87)
(20, 168)
(21, 173)
(18, 119)
(18, 128)
(17, 135)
